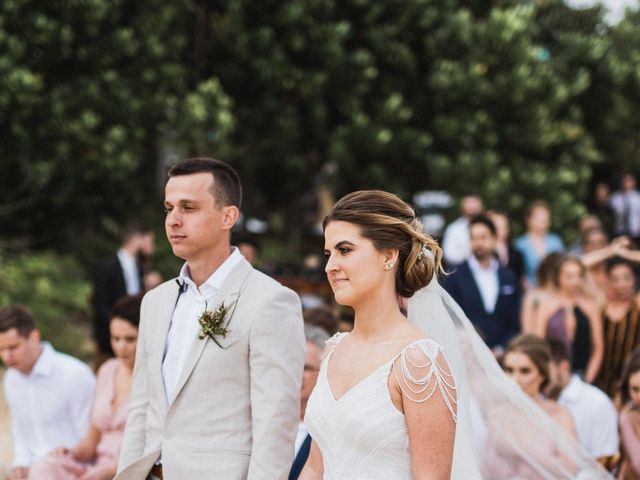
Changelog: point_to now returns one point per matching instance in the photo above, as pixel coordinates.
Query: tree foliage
(514, 100)
(53, 288)
(87, 91)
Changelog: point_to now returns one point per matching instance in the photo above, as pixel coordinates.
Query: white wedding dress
(501, 434)
(362, 435)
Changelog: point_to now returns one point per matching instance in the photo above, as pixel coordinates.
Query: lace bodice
(362, 435)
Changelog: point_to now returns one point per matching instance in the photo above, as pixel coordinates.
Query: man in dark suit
(487, 292)
(119, 275)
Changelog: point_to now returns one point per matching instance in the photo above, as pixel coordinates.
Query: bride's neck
(375, 316)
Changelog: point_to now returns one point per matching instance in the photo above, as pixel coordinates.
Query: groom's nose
(173, 217)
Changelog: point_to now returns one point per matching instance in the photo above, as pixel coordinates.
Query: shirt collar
(217, 278)
(571, 392)
(475, 265)
(44, 363)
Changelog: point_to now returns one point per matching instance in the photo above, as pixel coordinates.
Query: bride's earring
(388, 266)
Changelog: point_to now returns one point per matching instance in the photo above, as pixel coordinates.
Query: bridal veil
(501, 433)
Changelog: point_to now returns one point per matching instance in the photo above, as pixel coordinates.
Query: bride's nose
(331, 265)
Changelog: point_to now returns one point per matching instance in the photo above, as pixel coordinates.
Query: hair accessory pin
(424, 252)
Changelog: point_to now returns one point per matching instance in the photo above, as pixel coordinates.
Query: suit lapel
(230, 290)
(163, 317)
(502, 282)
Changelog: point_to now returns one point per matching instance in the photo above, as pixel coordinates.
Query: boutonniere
(215, 322)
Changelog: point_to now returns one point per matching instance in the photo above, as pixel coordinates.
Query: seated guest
(593, 412)
(49, 394)
(95, 457)
(572, 318)
(621, 324)
(527, 361)
(630, 419)
(487, 292)
(316, 338)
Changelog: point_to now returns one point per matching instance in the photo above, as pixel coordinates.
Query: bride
(409, 397)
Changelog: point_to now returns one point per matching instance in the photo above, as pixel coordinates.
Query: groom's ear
(230, 217)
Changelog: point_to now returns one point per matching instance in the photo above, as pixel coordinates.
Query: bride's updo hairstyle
(390, 223)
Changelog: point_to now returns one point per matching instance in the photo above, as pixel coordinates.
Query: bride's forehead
(338, 231)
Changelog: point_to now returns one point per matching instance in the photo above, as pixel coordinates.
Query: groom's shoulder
(261, 282)
(162, 289)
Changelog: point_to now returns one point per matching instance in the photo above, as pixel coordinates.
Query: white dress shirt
(487, 281)
(184, 322)
(456, 245)
(626, 204)
(50, 407)
(300, 438)
(131, 272)
(595, 416)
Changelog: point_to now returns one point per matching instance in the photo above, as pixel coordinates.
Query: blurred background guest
(249, 249)
(49, 393)
(455, 240)
(95, 457)
(630, 419)
(537, 242)
(599, 205)
(621, 324)
(626, 206)
(527, 361)
(151, 280)
(508, 255)
(573, 319)
(119, 275)
(487, 292)
(597, 282)
(315, 342)
(587, 223)
(323, 317)
(594, 414)
(536, 296)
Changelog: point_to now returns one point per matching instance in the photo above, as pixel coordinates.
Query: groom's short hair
(227, 189)
(18, 317)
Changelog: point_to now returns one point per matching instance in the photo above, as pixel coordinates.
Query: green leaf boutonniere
(212, 323)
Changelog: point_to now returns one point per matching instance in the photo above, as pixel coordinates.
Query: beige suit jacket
(235, 411)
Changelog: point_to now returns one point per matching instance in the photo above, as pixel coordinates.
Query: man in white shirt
(626, 205)
(315, 342)
(594, 414)
(455, 240)
(49, 394)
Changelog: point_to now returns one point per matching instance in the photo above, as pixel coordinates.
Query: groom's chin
(179, 252)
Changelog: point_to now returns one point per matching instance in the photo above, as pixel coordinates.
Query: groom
(221, 349)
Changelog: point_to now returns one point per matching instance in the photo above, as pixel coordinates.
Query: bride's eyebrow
(341, 244)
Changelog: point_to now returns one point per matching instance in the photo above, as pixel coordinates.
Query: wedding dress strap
(332, 343)
(425, 371)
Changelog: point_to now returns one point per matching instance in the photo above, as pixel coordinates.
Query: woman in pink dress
(95, 457)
